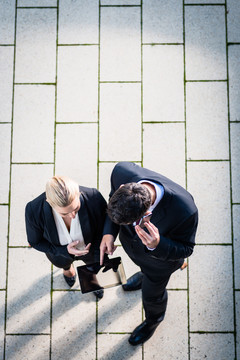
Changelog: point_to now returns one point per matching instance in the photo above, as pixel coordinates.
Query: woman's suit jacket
(41, 228)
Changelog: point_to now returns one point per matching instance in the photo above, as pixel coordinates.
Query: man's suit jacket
(176, 217)
(41, 228)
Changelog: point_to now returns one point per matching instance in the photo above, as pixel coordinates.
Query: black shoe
(70, 280)
(99, 293)
(142, 333)
(134, 282)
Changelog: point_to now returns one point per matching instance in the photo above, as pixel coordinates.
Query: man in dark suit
(158, 246)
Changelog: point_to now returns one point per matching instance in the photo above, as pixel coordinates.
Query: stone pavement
(85, 84)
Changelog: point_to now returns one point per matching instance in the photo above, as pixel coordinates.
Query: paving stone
(204, 2)
(208, 182)
(2, 321)
(73, 326)
(28, 308)
(235, 161)
(31, 178)
(36, 3)
(105, 170)
(3, 244)
(162, 21)
(234, 81)
(236, 244)
(233, 15)
(77, 84)
(5, 143)
(178, 280)
(120, 2)
(6, 81)
(27, 347)
(163, 72)
(78, 22)
(171, 337)
(210, 289)
(211, 346)
(7, 21)
(205, 43)
(171, 161)
(120, 349)
(36, 46)
(120, 44)
(81, 139)
(207, 121)
(237, 296)
(120, 118)
(33, 126)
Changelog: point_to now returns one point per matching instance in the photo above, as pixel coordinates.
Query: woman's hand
(71, 248)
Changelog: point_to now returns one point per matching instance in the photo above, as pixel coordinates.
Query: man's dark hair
(129, 203)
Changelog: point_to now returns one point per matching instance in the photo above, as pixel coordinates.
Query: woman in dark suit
(66, 223)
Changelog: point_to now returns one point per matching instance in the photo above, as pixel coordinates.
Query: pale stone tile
(178, 280)
(120, 122)
(28, 181)
(236, 244)
(211, 346)
(73, 326)
(76, 152)
(2, 321)
(116, 346)
(171, 337)
(233, 24)
(210, 288)
(237, 297)
(163, 85)
(204, 1)
(3, 244)
(120, 2)
(235, 160)
(205, 43)
(120, 38)
(33, 3)
(33, 126)
(209, 184)
(162, 21)
(27, 347)
(167, 142)
(207, 121)
(36, 46)
(234, 81)
(78, 22)
(5, 144)
(6, 81)
(29, 283)
(105, 170)
(7, 21)
(77, 84)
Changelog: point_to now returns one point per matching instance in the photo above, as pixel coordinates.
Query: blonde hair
(61, 191)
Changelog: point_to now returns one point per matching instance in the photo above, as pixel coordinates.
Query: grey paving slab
(7, 21)
(77, 84)
(210, 289)
(236, 244)
(28, 292)
(36, 3)
(3, 244)
(178, 280)
(78, 22)
(105, 170)
(6, 80)
(120, 122)
(120, 2)
(36, 46)
(116, 346)
(205, 43)
(171, 337)
(171, 161)
(234, 81)
(207, 121)
(72, 161)
(233, 15)
(237, 297)
(120, 44)
(208, 182)
(27, 347)
(5, 142)
(73, 326)
(162, 21)
(34, 177)
(212, 346)
(2, 321)
(235, 161)
(163, 85)
(33, 125)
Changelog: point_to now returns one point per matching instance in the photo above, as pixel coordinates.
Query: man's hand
(152, 239)
(71, 248)
(107, 246)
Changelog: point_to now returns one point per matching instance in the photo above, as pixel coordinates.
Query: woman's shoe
(99, 293)
(70, 280)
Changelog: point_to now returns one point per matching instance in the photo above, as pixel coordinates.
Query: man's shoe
(99, 293)
(142, 333)
(134, 282)
(70, 280)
